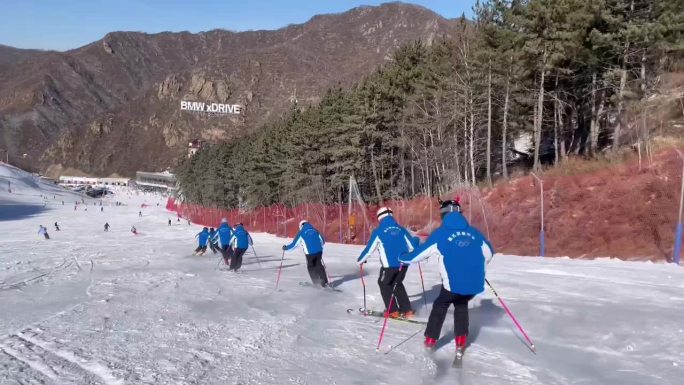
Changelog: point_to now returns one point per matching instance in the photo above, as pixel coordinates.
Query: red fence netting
(336, 222)
(626, 210)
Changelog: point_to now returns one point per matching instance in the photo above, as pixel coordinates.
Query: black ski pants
(227, 252)
(389, 276)
(316, 268)
(200, 248)
(439, 312)
(236, 260)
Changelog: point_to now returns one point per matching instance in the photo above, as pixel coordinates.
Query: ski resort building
(156, 180)
(89, 181)
(195, 146)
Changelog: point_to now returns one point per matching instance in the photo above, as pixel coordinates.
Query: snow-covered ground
(89, 307)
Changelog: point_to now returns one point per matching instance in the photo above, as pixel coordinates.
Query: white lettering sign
(216, 108)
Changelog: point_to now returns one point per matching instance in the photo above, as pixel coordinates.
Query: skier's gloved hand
(284, 247)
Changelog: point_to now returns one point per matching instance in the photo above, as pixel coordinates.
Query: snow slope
(89, 307)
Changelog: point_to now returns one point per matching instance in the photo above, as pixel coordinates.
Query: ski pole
(511, 315)
(255, 254)
(387, 312)
(279, 269)
(422, 283)
(363, 283)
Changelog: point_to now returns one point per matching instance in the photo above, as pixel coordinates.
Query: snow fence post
(678, 244)
(678, 238)
(542, 242)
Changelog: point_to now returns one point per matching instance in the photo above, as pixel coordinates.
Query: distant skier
(461, 251)
(101, 209)
(240, 241)
(56, 227)
(140, 213)
(223, 235)
(106, 226)
(134, 230)
(391, 240)
(312, 242)
(43, 231)
(169, 221)
(203, 238)
(212, 234)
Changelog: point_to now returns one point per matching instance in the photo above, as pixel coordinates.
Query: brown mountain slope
(113, 106)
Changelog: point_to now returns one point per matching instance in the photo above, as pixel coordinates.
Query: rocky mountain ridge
(113, 106)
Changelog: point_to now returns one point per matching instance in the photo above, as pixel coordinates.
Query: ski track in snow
(95, 307)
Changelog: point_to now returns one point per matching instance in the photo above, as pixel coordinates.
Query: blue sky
(67, 24)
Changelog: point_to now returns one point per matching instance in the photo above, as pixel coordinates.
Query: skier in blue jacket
(203, 238)
(223, 235)
(212, 242)
(391, 240)
(312, 242)
(240, 242)
(462, 252)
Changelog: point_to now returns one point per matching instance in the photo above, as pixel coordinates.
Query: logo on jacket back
(461, 238)
(392, 230)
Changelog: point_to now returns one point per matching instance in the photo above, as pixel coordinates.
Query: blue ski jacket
(391, 240)
(241, 238)
(203, 237)
(462, 252)
(310, 239)
(212, 234)
(223, 234)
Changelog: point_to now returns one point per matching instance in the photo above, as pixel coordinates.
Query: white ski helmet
(301, 223)
(224, 220)
(383, 212)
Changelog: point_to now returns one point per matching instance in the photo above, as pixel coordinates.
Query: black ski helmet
(449, 206)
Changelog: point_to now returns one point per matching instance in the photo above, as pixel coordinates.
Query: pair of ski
(381, 314)
(458, 360)
(328, 288)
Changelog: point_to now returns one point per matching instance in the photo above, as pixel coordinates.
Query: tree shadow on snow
(338, 280)
(487, 314)
(429, 296)
(251, 260)
(276, 267)
(16, 212)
